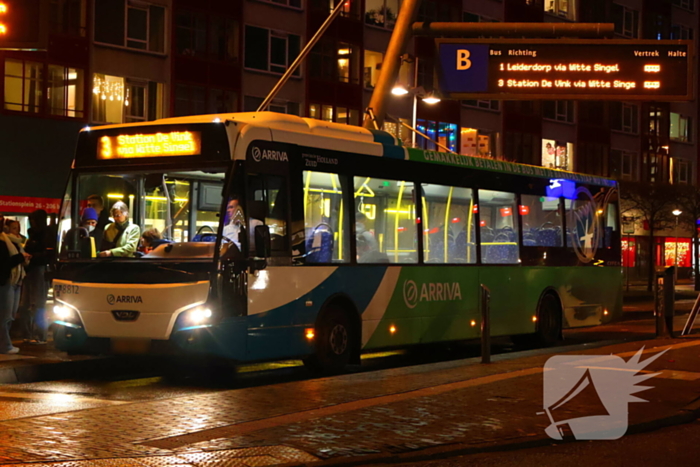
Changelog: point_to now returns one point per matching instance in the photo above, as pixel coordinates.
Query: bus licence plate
(131, 346)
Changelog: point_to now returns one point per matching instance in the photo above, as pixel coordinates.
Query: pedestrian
(14, 228)
(12, 262)
(36, 288)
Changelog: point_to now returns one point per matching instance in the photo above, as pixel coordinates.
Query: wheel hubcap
(339, 339)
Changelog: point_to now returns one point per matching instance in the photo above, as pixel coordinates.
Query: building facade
(112, 61)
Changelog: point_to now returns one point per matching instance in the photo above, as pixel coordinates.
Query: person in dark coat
(12, 261)
(39, 245)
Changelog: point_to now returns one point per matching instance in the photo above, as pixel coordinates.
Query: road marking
(57, 397)
(295, 417)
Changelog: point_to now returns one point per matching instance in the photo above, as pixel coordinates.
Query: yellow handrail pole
(447, 218)
(306, 192)
(469, 228)
(396, 224)
(426, 226)
(340, 219)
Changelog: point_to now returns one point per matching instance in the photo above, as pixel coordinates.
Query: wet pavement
(351, 418)
(123, 412)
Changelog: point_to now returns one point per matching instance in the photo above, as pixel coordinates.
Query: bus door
(233, 277)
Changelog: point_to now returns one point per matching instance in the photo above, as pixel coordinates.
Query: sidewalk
(386, 416)
(41, 363)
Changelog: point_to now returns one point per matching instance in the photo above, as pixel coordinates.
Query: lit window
(681, 129)
(381, 13)
(373, 63)
(557, 154)
(561, 8)
(119, 100)
(23, 85)
(66, 91)
(478, 143)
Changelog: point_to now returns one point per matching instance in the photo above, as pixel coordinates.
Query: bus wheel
(334, 343)
(549, 321)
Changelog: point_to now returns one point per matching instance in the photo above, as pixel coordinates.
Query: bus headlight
(62, 312)
(199, 315)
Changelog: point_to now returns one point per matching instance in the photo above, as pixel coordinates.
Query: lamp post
(417, 92)
(677, 213)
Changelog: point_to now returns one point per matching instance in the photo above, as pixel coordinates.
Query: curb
(49, 370)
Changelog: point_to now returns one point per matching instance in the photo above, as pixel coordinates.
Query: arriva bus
(288, 237)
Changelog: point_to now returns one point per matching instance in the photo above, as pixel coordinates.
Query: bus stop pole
(659, 304)
(485, 324)
(669, 298)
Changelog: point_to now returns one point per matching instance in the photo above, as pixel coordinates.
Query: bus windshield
(163, 214)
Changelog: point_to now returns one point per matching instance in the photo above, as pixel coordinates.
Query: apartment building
(112, 61)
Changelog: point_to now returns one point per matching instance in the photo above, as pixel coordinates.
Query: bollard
(669, 298)
(659, 304)
(485, 324)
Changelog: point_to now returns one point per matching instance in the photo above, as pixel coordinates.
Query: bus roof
(308, 132)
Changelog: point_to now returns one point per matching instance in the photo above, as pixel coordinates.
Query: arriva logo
(112, 299)
(269, 155)
(430, 292)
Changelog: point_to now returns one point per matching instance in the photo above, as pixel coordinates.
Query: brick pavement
(428, 405)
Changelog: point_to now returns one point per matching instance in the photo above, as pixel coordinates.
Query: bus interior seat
(501, 254)
(205, 236)
(549, 237)
(320, 244)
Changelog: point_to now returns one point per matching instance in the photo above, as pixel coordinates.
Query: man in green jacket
(121, 238)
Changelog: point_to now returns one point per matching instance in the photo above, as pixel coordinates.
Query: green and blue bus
(288, 237)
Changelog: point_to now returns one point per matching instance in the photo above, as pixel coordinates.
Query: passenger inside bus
(150, 239)
(121, 237)
(80, 241)
(367, 246)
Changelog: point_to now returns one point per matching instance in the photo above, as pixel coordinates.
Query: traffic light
(24, 24)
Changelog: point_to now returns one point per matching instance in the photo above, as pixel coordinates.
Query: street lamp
(677, 213)
(418, 92)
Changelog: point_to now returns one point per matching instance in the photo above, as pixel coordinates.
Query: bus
(295, 238)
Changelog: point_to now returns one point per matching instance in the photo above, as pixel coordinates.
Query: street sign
(512, 69)
(24, 24)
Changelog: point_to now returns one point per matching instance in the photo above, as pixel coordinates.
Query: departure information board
(512, 69)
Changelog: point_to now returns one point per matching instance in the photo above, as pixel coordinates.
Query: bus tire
(334, 342)
(549, 320)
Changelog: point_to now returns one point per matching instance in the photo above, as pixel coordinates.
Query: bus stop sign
(512, 69)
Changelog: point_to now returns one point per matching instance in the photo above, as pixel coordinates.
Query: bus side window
(326, 227)
(499, 227)
(449, 221)
(542, 223)
(385, 221)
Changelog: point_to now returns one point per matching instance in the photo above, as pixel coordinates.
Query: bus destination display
(174, 143)
(565, 69)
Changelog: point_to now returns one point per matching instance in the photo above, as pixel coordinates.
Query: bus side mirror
(263, 244)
